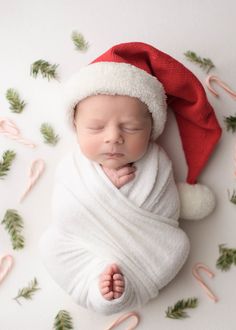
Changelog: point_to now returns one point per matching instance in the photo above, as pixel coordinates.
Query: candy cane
(123, 318)
(9, 129)
(36, 169)
(6, 263)
(220, 83)
(195, 272)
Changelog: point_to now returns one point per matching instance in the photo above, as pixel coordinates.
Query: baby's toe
(118, 277)
(118, 289)
(109, 295)
(105, 277)
(119, 283)
(105, 290)
(117, 295)
(104, 284)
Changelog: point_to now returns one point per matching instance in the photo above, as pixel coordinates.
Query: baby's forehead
(118, 105)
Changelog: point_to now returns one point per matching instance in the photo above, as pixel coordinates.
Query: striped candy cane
(228, 90)
(36, 169)
(124, 317)
(10, 130)
(6, 263)
(196, 274)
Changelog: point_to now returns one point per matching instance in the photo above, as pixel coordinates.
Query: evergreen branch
(16, 105)
(232, 198)
(46, 69)
(63, 321)
(226, 259)
(205, 63)
(5, 164)
(230, 123)
(49, 135)
(177, 311)
(27, 292)
(79, 41)
(14, 224)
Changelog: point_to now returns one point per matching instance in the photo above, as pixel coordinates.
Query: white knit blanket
(96, 224)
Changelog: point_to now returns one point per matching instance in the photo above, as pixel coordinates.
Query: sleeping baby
(115, 240)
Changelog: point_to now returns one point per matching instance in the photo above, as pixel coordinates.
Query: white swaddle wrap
(96, 224)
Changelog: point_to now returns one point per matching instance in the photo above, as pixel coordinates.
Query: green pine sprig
(226, 259)
(79, 41)
(27, 292)
(177, 311)
(14, 225)
(232, 197)
(48, 133)
(230, 123)
(16, 104)
(5, 164)
(205, 63)
(63, 321)
(46, 69)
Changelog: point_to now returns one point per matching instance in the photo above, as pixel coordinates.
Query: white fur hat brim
(118, 79)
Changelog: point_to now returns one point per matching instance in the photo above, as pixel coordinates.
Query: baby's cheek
(138, 149)
(89, 147)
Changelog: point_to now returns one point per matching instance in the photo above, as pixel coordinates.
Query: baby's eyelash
(132, 128)
(123, 128)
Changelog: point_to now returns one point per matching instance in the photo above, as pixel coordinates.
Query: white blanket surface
(96, 224)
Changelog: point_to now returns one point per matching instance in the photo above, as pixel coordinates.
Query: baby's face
(113, 130)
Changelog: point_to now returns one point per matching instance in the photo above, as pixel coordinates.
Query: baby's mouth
(114, 154)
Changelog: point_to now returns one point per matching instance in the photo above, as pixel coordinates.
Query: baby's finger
(125, 179)
(126, 170)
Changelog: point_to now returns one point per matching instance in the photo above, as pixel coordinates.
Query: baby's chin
(113, 164)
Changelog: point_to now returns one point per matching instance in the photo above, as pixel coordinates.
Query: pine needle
(230, 123)
(205, 63)
(63, 321)
(177, 311)
(16, 105)
(232, 198)
(79, 41)
(14, 225)
(226, 259)
(49, 135)
(27, 292)
(5, 164)
(46, 69)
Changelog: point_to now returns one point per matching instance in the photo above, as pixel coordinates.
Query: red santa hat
(139, 70)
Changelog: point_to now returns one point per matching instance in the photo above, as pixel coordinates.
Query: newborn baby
(115, 239)
(115, 132)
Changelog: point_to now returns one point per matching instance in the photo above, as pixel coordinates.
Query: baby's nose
(113, 136)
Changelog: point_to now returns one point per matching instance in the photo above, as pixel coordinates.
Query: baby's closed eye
(131, 128)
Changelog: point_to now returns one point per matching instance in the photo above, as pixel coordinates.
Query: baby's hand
(121, 176)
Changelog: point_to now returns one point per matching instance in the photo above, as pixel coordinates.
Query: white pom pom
(196, 201)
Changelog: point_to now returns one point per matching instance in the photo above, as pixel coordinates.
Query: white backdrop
(32, 30)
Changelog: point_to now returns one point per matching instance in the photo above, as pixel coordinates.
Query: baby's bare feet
(111, 282)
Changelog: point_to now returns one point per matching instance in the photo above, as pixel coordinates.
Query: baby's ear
(75, 116)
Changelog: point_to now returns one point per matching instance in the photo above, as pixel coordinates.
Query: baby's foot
(111, 282)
